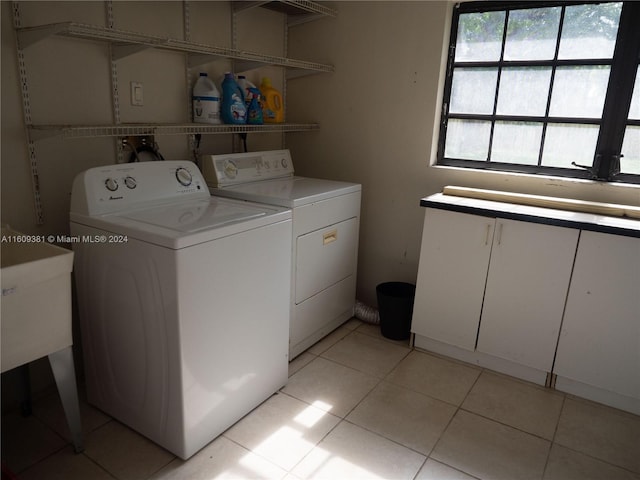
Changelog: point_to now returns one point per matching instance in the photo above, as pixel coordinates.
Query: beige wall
(377, 111)
(69, 83)
(377, 116)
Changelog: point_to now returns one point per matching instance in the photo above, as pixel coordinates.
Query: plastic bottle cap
(203, 74)
(266, 81)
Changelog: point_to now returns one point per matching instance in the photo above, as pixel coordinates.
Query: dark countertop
(550, 216)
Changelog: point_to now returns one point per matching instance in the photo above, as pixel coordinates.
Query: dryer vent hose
(366, 313)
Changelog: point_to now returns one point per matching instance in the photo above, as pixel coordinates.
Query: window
(544, 87)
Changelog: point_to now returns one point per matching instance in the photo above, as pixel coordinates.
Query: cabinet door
(451, 275)
(526, 290)
(600, 339)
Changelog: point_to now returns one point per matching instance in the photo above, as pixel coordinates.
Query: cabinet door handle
(486, 238)
(500, 225)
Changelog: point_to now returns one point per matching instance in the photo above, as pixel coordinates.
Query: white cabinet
(548, 295)
(527, 285)
(451, 276)
(599, 349)
(493, 286)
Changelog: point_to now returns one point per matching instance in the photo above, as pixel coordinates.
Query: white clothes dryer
(326, 220)
(183, 300)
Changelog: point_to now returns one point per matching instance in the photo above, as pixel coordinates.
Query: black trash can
(395, 305)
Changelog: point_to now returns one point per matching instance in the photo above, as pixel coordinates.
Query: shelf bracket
(293, 21)
(197, 59)
(244, 5)
(246, 65)
(121, 51)
(32, 35)
(292, 73)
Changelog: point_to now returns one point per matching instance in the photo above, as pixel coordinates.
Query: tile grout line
(454, 361)
(344, 419)
(553, 438)
(341, 419)
(444, 430)
(175, 457)
(384, 378)
(250, 451)
(504, 424)
(50, 454)
(460, 408)
(524, 382)
(111, 474)
(427, 455)
(588, 455)
(355, 369)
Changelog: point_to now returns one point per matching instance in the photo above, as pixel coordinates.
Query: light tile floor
(357, 406)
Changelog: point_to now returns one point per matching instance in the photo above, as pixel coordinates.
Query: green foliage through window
(544, 88)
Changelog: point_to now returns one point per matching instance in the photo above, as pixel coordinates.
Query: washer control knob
(230, 169)
(111, 184)
(183, 176)
(130, 182)
(284, 163)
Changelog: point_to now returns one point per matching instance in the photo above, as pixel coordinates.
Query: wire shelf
(39, 132)
(127, 43)
(297, 11)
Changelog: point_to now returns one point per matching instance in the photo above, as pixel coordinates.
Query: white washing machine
(183, 300)
(326, 219)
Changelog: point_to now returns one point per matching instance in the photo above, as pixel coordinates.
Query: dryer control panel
(233, 169)
(113, 188)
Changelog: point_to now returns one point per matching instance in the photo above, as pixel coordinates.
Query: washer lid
(196, 216)
(178, 225)
(288, 192)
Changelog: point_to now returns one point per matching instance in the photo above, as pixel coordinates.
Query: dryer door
(324, 257)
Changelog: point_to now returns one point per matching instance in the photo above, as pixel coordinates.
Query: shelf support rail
(26, 110)
(115, 52)
(192, 144)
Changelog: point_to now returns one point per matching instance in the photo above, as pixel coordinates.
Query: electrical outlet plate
(137, 98)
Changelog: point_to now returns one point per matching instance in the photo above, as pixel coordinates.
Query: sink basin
(36, 299)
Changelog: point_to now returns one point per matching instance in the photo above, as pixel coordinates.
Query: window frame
(614, 118)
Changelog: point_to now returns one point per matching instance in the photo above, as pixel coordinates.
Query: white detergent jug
(206, 101)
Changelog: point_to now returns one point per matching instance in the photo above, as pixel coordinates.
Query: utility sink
(35, 318)
(36, 299)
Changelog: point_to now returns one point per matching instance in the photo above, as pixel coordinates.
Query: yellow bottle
(272, 104)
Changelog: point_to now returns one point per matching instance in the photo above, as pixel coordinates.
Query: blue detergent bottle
(233, 109)
(254, 110)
